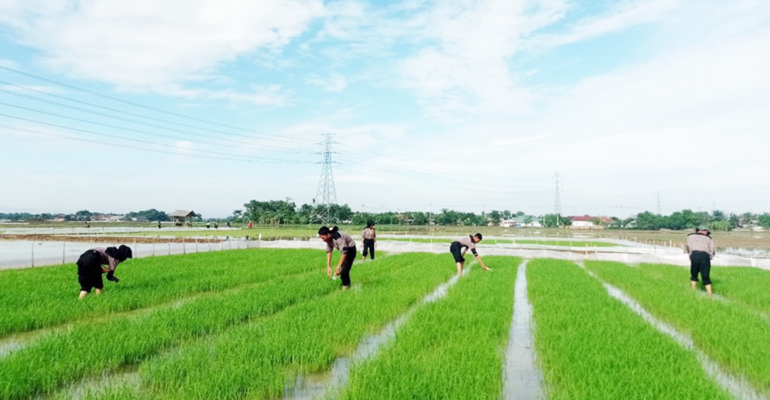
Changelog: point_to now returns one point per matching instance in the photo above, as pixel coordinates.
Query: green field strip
(42, 297)
(450, 349)
(590, 346)
(257, 360)
(746, 285)
(567, 243)
(48, 363)
(736, 338)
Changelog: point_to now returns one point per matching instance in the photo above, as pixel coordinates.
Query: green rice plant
(450, 349)
(90, 348)
(442, 240)
(42, 297)
(256, 360)
(746, 285)
(735, 337)
(591, 346)
(567, 243)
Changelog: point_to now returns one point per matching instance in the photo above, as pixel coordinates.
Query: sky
(461, 104)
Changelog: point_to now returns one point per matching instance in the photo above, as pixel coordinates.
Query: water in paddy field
(522, 379)
(26, 253)
(323, 384)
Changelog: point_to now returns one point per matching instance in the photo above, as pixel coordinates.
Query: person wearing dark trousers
(700, 245)
(90, 267)
(346, 245)
(370, 239)
(460, 245)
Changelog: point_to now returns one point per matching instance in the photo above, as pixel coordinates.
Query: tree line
(286, 212)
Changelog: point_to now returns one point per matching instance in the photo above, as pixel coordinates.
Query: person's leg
(705, 273)
(346, 267)
(694, 271)
(458, 256)
(85, 286)
(371, 248)
(366, 248)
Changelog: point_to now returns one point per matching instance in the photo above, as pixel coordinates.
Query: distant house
(116, 218)
(589, 222)
(182, 217)
(101, 218)
(520, 222)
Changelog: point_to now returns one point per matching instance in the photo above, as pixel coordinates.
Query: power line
(122, 146)
(133, 121)
(148, 142)
(272, 148)
(27, 74)
(124, 112)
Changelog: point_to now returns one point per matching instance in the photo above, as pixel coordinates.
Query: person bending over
(346, 245)
(460, 245)
(91, 267)
(702, 251)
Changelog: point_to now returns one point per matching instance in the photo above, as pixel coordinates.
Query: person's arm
(329, 263)
(478, 258)
(712, 249)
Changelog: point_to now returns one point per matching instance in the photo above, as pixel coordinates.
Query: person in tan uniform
(460, 245)
(370, 239)
(701, 248)
(90, 267)
(346, 245)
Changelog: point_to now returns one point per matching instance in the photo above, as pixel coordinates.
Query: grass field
(249, 324)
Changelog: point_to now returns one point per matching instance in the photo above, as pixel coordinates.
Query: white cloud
(333, 83)
(152, 45)
(623, 16)
(8, 63)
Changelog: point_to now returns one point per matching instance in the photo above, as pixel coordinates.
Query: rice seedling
(450, 349)
(733, 336)
(567, 243)
(257, 360)
(91, 348)
(591, 346)
(746, 285)
(41, 297)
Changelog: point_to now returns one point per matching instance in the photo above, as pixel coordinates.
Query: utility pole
(557, 198)
(326, 195)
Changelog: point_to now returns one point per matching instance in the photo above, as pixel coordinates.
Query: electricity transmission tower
(326, 195)
(557, 197)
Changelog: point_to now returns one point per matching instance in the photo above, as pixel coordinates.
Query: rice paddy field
(269, 324)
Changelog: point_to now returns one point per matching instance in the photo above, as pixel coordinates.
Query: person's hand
(329, 271)
(485, 268)
(338, 271)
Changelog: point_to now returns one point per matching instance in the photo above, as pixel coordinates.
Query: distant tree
(764, 220)
(552, 220)
(718, 216)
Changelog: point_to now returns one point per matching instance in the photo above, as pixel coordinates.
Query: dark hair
(121, 253)
(478, 235)
(370, 224)
(334, 231)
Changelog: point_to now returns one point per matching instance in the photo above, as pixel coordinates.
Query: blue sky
(472, 105)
